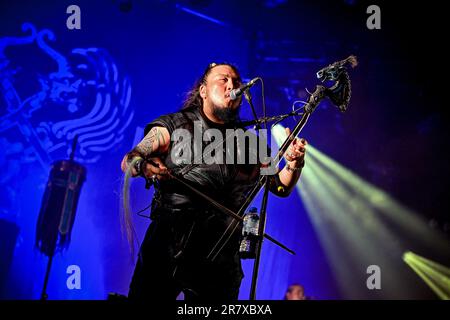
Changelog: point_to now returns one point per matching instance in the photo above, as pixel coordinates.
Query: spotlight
(435, 275)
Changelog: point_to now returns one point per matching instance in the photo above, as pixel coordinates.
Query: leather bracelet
(293, 169)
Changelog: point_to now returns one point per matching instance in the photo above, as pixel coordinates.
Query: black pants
(172, 259)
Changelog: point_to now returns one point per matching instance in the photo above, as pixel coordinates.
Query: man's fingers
(151, 169)
(162, 176)
(288, 131)
(300, 143)
(157, 163)
(296, 142)
(295, 154)
(300, 149)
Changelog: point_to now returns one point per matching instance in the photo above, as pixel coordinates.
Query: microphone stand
(261, 229)
(248, 97)
(314, 100)
(262, 214)
(279, 118)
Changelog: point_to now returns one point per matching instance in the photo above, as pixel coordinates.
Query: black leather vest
(226, 183)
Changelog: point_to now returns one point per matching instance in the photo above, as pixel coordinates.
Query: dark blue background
(394, 134)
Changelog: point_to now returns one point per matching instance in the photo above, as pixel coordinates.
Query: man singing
(185, 227)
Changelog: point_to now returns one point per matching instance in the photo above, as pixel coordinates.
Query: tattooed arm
(155, 143)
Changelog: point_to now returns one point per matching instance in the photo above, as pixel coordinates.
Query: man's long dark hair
(193, 99)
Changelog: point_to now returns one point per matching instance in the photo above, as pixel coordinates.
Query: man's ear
(203, 91)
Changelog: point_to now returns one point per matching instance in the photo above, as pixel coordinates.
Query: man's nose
(230, 85)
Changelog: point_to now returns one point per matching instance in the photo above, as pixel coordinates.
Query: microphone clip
(236, 93)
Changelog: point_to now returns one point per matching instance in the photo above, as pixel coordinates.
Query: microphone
(236, 93)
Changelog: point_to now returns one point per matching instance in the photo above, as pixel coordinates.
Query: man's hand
(289, 175)
(155, 168)
(295, 154)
